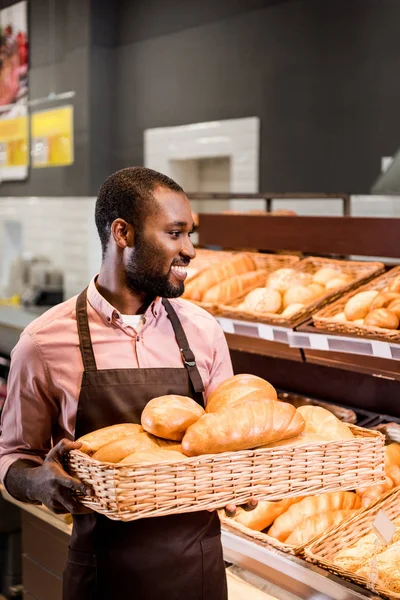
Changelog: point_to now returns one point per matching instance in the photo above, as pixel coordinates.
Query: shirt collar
(109, 312)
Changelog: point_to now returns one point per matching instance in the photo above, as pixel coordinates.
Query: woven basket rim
(363, 434)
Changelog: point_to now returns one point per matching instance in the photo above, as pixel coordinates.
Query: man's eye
(191, 233)
(175, 234)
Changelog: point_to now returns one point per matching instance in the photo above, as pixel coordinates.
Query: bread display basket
(358, 270)
(267, 262)
(324, 319)
(127, 492)
(322, 552)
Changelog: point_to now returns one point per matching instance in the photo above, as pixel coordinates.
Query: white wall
(62, 229)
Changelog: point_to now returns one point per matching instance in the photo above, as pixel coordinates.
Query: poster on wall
(52, 137)
(14, 129)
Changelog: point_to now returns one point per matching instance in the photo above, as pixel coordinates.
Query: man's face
(163, 248)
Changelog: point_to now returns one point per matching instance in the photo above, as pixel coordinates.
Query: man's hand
(230, 509)
(52, 486)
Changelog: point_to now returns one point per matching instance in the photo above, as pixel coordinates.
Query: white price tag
(318, 341)
(266, 332)
(383, 527)
(226, 324)
(381, 349)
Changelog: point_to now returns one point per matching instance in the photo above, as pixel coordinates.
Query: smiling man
(96, 360)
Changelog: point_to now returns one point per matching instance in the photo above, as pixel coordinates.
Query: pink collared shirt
(46, 366)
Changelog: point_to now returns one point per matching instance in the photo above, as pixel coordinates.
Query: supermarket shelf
(288, 572)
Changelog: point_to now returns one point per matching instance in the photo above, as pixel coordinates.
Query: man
(96, 360)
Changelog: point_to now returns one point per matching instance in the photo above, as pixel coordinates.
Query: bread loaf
(298, 294)
(239, 264)
(394, 307)
(359, 305)
(316, 525)
(169, 416)
(234, 287)
(263, 300)
(394, 286)
(291, 310)
(119, 449)
(317, 289)
(154, 455)
(281, 279)
(337, 282)
(310, 506)
(339, 318)
(371, 493)
(300, 440)
(91, 442)
(326, 274)
(322, 422)
(392, 470)
(236, 388)
(392, 454)
(383, 300)
(244, 425)
(382, 318)
(264, 514)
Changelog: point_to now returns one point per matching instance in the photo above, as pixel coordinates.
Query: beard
(143, 273)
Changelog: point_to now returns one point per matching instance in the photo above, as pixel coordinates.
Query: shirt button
(108, 319)
(115, 315)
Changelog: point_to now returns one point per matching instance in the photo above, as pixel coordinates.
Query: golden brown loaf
(298, 294)
(358, 306)
(300, 440)
(237, 388)
(317, 289)
(91, 442)
(239, 264)
(316, 525)
(118, 449)
(264, 514)
(338, 282)
(382, 318)
(322, 422)
(310, 506)
(392, 471)
(394, 286)
(281, 279)
(394, 306)
(169, 416)
(383, 300)
(154, 455)
(234, 287)
(263, 300)
(291, 310)
(326, 274)
(255, 422)
(392, 454)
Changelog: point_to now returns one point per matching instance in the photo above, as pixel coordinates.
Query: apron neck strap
(85, 342)
(188, 357)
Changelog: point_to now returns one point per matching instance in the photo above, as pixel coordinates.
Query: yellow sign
(14, 142)
(52, 134)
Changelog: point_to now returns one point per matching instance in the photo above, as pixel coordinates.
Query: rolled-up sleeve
(222, 364)
(30, 409)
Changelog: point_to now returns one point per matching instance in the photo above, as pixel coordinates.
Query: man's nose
(188, 249)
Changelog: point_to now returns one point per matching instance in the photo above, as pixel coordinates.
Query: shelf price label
(226, 324)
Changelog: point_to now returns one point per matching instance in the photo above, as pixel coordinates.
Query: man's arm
(31, 470)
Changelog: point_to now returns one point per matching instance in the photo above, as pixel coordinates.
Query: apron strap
(85, 342)
(188, 357)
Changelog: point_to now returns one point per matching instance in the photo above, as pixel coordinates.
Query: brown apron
(177, 557)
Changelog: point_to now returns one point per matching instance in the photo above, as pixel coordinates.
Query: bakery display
(169, 416)
(232, 288)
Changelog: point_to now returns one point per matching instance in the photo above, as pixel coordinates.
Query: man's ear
(123, 233)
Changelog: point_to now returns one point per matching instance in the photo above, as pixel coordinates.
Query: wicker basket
(258, 537)
(360, 271)
(268, 262)
(323, 550)
(124, 492)
(323, 318)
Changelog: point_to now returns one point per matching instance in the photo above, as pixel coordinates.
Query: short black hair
(128, 194)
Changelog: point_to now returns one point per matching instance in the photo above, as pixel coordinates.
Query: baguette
(256, 422)
(234, 287)
(237, 388)
(155, 455)
(93, 441)
(322, 422)
(239, 264)
(316, 525)
(116, 451)
(310, 506)
(264, 514)
(169, 416)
